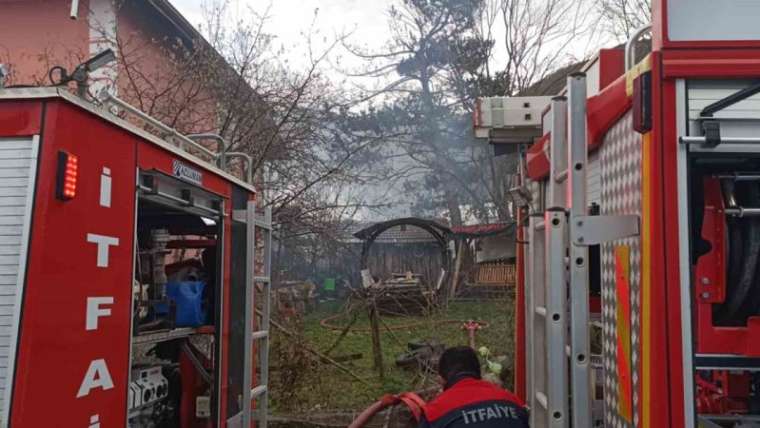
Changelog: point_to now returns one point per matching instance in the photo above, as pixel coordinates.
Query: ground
(302, 386)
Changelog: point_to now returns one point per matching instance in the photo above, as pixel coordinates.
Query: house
(149, 38)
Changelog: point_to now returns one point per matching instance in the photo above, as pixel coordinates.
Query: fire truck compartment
(176, 309)
(724, 183)
(18, 163)
(724, 220)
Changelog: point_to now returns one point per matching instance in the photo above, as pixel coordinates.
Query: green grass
(322, 386)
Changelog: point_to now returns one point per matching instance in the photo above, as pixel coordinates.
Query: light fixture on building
(3, 74)
(81, 73)
(74, 14)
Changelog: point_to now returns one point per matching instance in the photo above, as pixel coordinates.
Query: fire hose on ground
(325, 323)
(412, 401)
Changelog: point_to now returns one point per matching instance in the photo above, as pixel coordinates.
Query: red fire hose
(327, 323)
(410, 399)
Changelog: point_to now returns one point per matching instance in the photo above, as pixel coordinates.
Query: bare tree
(297, 125)
(622, 17)
(429, 71)
(537, 37)
(441, 56)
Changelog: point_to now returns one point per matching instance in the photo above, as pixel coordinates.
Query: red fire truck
(127, 271)
(638, 202)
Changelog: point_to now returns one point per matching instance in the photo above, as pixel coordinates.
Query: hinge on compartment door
(711, 129)
(598, 229)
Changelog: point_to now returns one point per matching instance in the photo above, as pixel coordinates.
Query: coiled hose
(743, 281)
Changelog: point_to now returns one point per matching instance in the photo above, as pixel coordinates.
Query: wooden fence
(495, 273)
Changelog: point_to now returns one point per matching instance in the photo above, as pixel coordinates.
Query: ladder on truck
(560, 391)
(259, 279)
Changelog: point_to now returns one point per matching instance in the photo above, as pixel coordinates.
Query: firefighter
(469, 401)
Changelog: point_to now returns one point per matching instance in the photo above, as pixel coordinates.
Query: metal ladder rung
(263, 225)
(262, 279)
(261, 334)
(258, 391)
(542, 400)
(541, 310)
(540, 225)
(561, 177)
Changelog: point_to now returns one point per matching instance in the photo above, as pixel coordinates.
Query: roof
(405, 234)
(405, 230)
(369, 235)
(54, 92)
(554, 83)
(395, 235)
(184, 28)
(190, 35)
(477, 230)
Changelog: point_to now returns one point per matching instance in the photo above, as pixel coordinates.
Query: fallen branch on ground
(311, 350)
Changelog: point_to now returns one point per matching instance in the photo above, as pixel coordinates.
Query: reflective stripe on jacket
(475, 403)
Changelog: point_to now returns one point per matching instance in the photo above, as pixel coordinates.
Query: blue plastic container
(188, 298)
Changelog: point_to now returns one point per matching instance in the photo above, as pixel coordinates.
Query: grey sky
(367, 19)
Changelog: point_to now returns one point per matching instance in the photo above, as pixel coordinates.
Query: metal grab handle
(220, 157)
(248, 164)
(742, 212)
(630, 53)
(108, 98)
(723, 140)
(739, 177)
(221, 148)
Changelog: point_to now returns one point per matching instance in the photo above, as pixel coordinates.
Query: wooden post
(460, 247)
(377, 351)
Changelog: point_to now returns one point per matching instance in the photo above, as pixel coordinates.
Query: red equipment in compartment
(710, 277)
(725, 393)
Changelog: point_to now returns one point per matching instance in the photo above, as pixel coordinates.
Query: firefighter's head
(457, 363)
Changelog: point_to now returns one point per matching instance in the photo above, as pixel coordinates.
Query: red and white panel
(620, 158)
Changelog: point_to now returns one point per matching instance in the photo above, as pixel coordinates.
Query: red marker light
(68, 171)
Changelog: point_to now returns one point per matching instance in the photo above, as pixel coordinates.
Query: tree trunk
(454, 211)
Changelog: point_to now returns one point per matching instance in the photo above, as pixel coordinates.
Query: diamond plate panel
(620, 194)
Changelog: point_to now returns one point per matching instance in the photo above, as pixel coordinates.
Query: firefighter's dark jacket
(474, 403)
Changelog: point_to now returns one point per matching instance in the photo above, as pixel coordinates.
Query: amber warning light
(68, 170)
